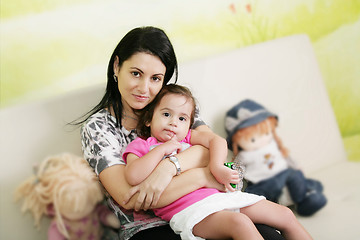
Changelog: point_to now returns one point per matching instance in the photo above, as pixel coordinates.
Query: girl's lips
(170, 133)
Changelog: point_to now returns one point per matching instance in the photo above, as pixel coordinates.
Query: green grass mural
(50, 47)
(334, 29)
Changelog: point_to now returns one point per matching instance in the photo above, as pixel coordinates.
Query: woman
(142, 62)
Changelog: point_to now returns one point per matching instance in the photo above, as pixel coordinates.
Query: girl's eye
(182, 118)
(166, 114)
(253, 140)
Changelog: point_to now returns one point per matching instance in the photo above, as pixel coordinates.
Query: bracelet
(175, 161)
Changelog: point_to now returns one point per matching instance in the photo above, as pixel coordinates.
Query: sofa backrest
(282, 74)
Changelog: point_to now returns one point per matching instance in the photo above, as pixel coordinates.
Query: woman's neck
(129, 119)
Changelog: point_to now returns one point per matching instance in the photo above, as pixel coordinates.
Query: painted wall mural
(51, 47)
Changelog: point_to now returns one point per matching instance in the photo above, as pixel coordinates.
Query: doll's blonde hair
(263, 127)
(64, 181)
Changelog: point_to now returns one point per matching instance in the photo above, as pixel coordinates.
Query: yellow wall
(50, 47)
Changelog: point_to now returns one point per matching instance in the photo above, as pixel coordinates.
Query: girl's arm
(218, 153)
(155, 191)
(139, 168)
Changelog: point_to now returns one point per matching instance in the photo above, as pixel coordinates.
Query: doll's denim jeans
(272, 188)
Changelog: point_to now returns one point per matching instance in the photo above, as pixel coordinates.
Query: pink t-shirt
(140, 147)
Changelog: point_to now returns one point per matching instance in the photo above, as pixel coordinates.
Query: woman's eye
(156, 79)
(136, 74)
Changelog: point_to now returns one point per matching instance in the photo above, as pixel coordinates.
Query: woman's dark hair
(148, 39)
(147, 113)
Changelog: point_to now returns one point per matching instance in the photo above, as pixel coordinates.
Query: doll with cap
(251, 135)
(66, 189)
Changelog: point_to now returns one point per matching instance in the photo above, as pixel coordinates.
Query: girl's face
(140, 79)
(171, 118)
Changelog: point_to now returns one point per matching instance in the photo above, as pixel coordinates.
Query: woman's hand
(152, 187)
(210, 180)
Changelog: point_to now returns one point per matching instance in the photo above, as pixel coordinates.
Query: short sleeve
(102, 142)
(139, 147)
(197, 120)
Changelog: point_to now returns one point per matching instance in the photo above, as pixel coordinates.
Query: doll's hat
(246, 113)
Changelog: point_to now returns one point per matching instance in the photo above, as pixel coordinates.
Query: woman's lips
(140, 97)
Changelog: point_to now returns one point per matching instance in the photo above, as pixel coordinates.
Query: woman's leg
(269, 233)
(226, 224)
(277, 216)
(158, 233)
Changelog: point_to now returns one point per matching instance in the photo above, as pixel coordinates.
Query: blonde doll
(65, 188)
(252, 136)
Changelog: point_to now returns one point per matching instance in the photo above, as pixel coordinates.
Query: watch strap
(175, 161)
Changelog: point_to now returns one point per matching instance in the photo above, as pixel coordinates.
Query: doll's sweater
(87, 228)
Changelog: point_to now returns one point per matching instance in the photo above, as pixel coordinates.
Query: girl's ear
(147, 124)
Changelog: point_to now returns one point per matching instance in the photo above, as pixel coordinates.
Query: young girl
(206, 212)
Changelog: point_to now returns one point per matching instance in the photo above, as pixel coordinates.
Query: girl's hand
(226, 176)
(152, 187)
(170, 146)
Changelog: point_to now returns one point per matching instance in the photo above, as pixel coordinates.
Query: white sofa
(282, 74)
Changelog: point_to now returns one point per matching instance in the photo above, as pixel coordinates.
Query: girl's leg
(277, 216)
(226, 224)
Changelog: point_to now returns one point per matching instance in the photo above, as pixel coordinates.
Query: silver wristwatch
(175, 161)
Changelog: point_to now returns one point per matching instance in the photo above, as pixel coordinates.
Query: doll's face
(76, 213)
(254, 142)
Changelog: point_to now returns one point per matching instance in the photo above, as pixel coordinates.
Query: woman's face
(140, 79)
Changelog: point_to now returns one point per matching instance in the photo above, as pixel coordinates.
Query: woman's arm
(218, 152)
(191, 180)
(216, 145)
(155, 191)
(140, 196)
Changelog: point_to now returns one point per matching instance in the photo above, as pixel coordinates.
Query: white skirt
(183, 222)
